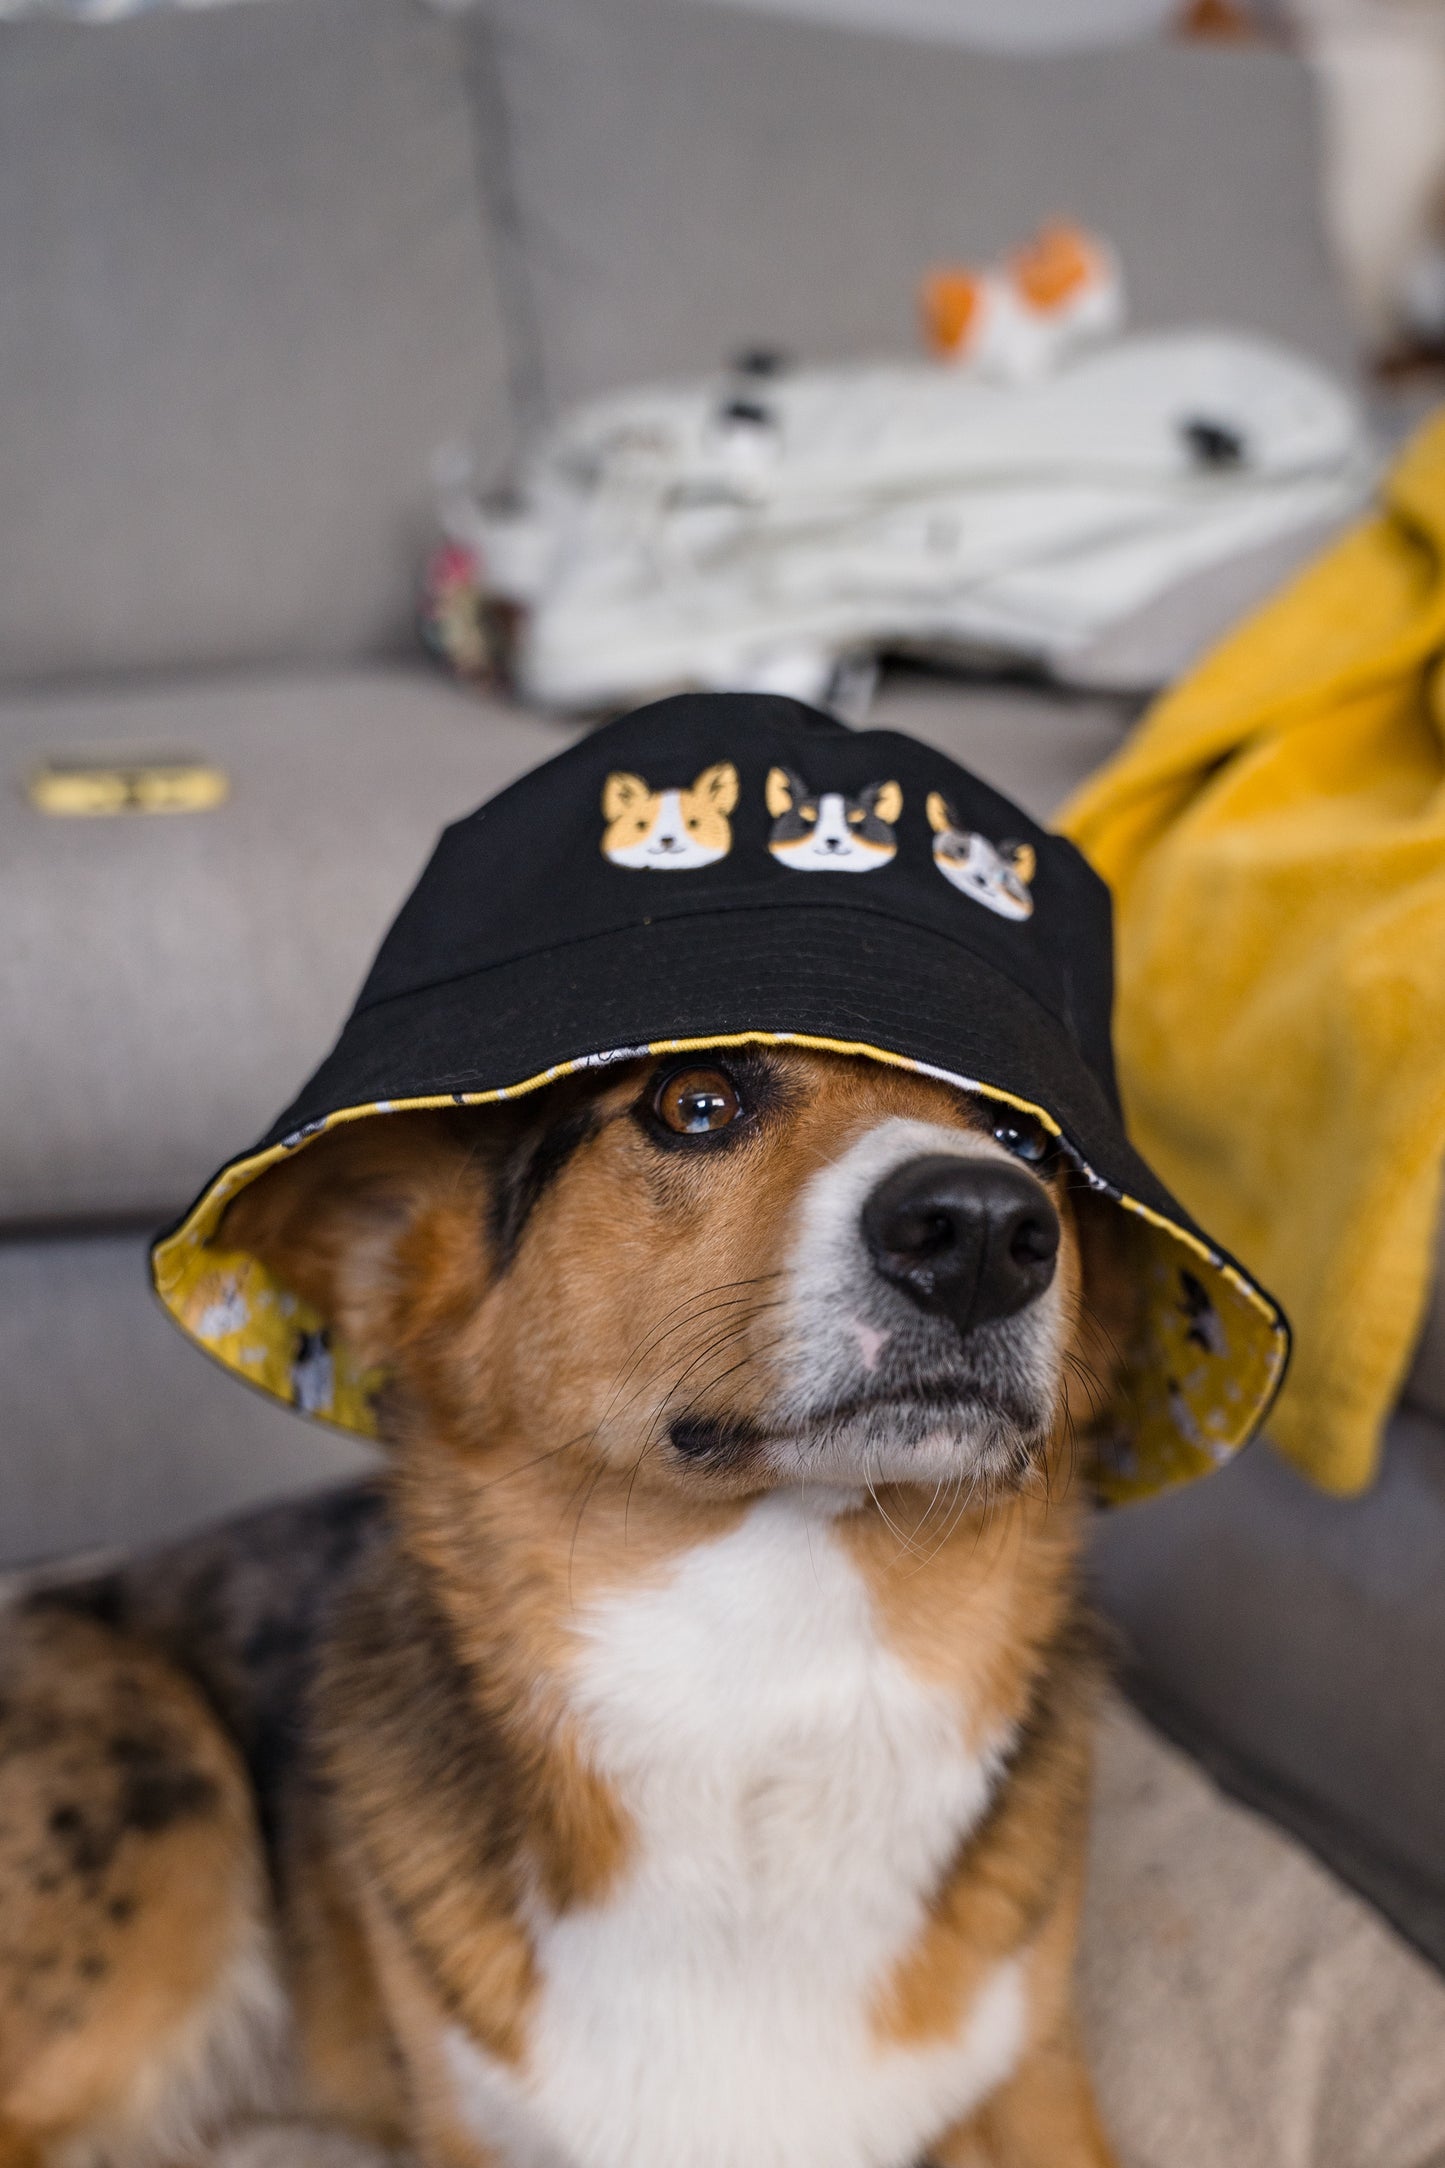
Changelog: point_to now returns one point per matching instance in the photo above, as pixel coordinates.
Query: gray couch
(256, 265)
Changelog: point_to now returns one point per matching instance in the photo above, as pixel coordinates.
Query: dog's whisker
(953, 1515)
(664, 1327)
(668, 1414)
(538, 1460)
(656, 1340)
(719, 1344)
(647, 1445)
(577, 1530)
(808, 1530)
(902, 1541)
(722, 1336)
(698, 1304)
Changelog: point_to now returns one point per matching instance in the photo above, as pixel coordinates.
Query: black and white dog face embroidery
(669, 831)
(826, 832)
(995, 875)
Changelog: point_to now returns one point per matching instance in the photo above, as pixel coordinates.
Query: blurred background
(305, 306)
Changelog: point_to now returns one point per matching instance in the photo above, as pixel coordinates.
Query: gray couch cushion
(116, 1430)
(246, 293)
(167, 981)
(1298, 1641)
(1034, 745)
(687, 180)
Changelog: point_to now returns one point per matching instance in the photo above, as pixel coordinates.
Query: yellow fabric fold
(1274, 835)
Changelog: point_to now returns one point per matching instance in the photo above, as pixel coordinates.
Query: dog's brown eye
(693, 1102)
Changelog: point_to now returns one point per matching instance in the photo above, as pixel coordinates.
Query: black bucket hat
(738, 868)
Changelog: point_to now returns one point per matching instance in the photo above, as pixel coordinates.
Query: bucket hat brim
(1212, 1345)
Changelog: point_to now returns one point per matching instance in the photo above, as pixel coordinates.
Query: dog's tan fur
(529, 1474)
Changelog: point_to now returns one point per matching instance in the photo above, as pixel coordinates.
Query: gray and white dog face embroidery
(995, 875)
(828, 832)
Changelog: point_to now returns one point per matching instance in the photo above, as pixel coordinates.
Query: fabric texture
(1295, 1641)
(721, 532)
(1240, 2007)
(96, 11)
(1275, 839)
(689, 180)
(247, 294)
(733, 868)
(167, 978)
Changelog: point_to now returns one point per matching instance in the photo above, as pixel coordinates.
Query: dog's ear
(333, 1223)
(1022, 857)
(623, 793)
(717, 787)
(885, 800)
(784, 791)
(940, 813)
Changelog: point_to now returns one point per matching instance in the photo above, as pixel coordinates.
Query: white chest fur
(797, 1793)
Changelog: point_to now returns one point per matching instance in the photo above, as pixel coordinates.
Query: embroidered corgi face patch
(826, 832)
(997, 875)
(669, 831)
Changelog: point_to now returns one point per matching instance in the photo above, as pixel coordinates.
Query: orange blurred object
(950, 302)
(1222, 19)
(1056, 265)
(1015, 320)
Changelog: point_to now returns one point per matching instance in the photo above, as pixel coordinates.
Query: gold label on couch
(85, 789)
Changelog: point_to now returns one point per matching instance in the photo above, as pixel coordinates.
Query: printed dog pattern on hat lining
(997, 875)
(313, 1373)
(669, 831)
(829, 832)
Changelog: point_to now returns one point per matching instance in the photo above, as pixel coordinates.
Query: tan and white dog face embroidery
(669, 831)
(995, 875)
(826, 832)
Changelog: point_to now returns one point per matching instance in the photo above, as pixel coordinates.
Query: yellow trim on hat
(1196, 1387)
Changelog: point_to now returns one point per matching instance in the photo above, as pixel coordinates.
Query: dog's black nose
(972, 1239)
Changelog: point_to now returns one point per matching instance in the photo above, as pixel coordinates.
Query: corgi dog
(669, 831)
(997, 875)
(680, 1759)
(829, 832)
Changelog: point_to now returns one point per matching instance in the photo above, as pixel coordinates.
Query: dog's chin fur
(695, 1758)
(928, 1441)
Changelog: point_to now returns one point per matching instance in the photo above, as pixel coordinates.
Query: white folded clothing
(744, 531)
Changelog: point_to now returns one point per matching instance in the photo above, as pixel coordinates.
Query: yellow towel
(1275, 838)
